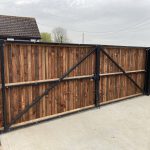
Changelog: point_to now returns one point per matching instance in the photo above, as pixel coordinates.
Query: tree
(46, 37)
(60, 35)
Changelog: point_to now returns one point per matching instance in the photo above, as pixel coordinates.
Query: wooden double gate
(41, 81)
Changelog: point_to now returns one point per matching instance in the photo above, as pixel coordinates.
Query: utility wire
(126, 29)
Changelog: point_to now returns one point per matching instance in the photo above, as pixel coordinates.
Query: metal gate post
(147, 76)
(3, 83)
(97, 77)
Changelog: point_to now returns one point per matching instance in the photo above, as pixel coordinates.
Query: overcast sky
(120, 22)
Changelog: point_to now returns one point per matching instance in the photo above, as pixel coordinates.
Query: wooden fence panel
(117, 86)
(27, 63)
(69, 95)
(35, 62)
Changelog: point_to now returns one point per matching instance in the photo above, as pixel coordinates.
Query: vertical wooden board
(59, 87)
(108, 62)
(83, 92)
(32, 93)
(75, 61)
(36, 67)
(6, 48)
(51, 63)
(73, 93)
(137, 65)
(92, 96)
(50, 103)
(69, 96)
(74, 73)
(68, 83)
(64, 98)
(88, 65)
(29, 76)
(56, 63)
(81, 81)
(6, 65)
(113, 54)
(112, 84)
(126, 68)
(142, 57)
(68, 87)
(89, 91)
(115, 80)
(18, 97)
(104, 79)
(71, 83)
(34, 108)
(14, 92)
(40, 51)
(63, 62)
(44, 77)
(9, 59)
(101, 89)
(78, 100)
(105, 63)
(91, 71)
(101, 62)
(26, 92)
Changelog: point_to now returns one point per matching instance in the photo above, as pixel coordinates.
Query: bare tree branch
(60, 35)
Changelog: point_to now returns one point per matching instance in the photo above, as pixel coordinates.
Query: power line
(132, 27)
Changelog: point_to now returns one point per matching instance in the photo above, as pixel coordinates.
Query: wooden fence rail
(28, 69)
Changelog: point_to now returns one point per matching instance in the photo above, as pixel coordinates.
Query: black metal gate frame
(147, 76)
(96, 78)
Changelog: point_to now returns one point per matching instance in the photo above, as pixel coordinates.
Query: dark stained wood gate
(40, 81)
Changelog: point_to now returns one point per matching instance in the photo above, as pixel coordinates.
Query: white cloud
(24, 2)
(101, 16)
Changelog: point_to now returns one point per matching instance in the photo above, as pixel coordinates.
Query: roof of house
(18, 27)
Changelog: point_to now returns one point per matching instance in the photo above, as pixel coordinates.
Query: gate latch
(96, 77)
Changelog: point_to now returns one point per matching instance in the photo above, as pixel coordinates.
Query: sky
(111, 22)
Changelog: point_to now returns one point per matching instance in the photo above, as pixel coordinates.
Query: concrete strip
(120, 126)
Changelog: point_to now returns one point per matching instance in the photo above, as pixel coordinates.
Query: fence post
(97, 77)
(3, 83)
(147, 76)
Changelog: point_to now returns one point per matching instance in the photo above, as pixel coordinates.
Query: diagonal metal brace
(124, 72)
(38, 98)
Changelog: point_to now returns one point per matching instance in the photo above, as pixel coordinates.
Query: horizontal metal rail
(124, 72)
(38, 98)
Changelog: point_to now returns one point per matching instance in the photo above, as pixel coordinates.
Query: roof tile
(19, 27)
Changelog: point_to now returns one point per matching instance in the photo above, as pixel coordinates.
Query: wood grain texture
(28, 63)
